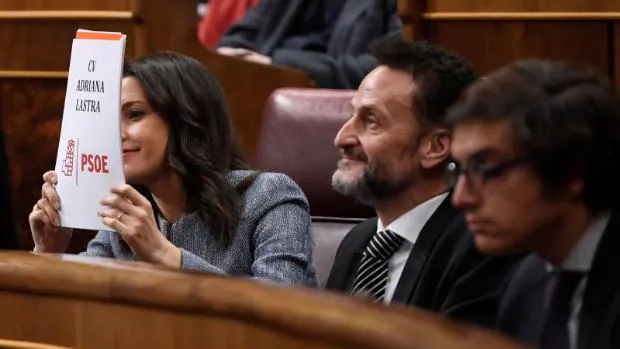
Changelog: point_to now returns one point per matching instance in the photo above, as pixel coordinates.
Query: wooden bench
(100, 303)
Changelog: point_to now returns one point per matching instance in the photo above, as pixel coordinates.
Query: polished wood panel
(522, 5)
(55, 15)
(166, 309)
(532, 16)
(180, 26)
(33, 74)
(616, 52)
(584, 44)
(46, 44)
(142, 328)
(30, 111)
(8, 344)
(33, 5)
(410, 13)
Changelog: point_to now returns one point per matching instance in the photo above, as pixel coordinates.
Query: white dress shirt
(408, 226)
(580, 259)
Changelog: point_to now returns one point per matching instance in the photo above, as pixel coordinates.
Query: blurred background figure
(326, 38)
(217, 16)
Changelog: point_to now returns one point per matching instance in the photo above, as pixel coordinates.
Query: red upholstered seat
(297, 138)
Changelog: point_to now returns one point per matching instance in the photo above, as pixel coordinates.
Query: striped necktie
(372, 274)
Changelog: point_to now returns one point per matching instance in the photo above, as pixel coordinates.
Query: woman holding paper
(193, 203)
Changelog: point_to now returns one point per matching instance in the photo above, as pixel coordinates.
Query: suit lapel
(350, 254)
(535, 297)
(602, 282)
(363, 237)
(441, 219)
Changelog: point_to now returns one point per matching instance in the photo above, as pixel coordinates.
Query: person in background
(537, 156)
(218, 16)
(394, 151)
(193, 202)
(328, 39)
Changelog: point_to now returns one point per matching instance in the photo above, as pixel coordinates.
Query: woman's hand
(131, 215)
(44, 219)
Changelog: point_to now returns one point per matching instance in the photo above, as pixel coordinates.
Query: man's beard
(371, 186)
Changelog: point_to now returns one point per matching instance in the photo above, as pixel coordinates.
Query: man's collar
(410, 224)
(582, 255)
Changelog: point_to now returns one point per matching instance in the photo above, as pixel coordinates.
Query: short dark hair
(439, 74)
(202, 146)
(565, 121)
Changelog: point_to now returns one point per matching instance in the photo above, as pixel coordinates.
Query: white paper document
(89, 161)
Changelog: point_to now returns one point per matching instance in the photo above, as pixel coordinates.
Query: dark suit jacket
(344, 63)
(522, 311)
(444, 273)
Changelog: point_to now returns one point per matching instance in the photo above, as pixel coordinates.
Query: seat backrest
(327, 233)
(297, 138)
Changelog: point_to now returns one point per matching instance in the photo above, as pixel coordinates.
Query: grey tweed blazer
(272, 242)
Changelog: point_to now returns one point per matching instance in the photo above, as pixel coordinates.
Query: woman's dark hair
(202, 147)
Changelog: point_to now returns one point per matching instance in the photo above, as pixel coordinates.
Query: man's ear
(435, 148)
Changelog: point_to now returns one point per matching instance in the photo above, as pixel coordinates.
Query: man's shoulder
(448, 224)
(529, 276)
(365, 225)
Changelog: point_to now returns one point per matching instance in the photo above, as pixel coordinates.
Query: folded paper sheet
(89, 159)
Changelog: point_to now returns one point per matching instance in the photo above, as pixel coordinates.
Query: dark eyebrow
(371, 108)
(129, 104)
(363, 108)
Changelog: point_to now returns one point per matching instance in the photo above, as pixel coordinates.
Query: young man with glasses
(536, 149)
(394, 151)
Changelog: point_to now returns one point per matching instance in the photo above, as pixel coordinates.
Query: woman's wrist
(170, 256)
(39, 249)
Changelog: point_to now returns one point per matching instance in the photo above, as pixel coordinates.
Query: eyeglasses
(477, 173)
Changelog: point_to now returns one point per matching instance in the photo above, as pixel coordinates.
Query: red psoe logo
(67, 163)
